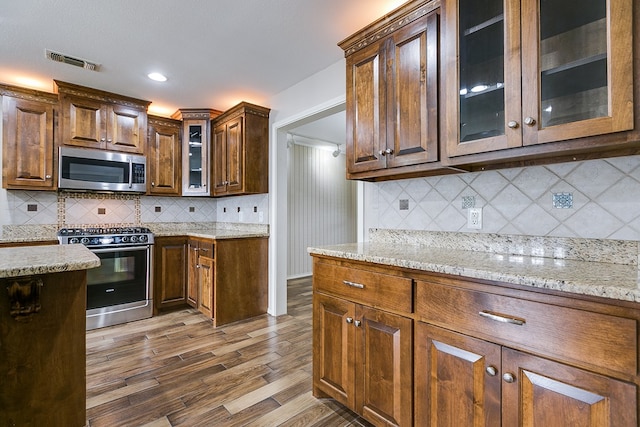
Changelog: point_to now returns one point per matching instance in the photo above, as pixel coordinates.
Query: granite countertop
(31, 260)
(601, 279)
(212, 233)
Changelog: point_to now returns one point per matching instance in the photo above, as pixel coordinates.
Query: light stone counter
(602, 279)
(32, 260)
(210, 230)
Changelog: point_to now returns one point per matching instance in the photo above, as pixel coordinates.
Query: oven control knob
(84, 240)
(74, 240)
(125, 239)
(134, 239)
(142, 238)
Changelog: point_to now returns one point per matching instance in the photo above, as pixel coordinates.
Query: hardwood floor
(176, 370)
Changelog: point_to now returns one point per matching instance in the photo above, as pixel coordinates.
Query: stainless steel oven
(120, 290)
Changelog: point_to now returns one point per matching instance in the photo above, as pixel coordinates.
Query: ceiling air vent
(82, 63)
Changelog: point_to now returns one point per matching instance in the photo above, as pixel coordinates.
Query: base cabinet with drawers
(225, 279)
(480, 353)
(362, 349)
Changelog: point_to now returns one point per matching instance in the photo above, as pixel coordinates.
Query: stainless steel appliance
(120, 290)
(98, 170)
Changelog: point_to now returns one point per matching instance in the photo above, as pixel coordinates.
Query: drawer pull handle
(353, 284)
(502, 318)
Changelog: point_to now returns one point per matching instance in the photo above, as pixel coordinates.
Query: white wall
(321, 205)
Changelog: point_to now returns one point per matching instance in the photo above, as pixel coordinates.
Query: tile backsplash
(75, 209)
(600, 199)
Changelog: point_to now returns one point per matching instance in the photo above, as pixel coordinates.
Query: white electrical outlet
(474, 218)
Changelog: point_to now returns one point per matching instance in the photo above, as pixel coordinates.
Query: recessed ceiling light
(157, 77)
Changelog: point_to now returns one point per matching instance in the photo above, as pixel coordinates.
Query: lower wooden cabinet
(463, 381)
(201, 275)
(404, 347)
(363, 359)
(225, 279)
(170, 273)
(362, 356)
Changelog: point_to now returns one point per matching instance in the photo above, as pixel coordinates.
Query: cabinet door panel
(28, 144)
(192, 280)
(453, 386)
(413, 98)
(384, 349)
(170, 272)
(333, 349)
(235, 153)
(550, 394)
(126, 129)
(164, 160)
(366, 109)
(84, 123)
(206, 267)
(219, 159)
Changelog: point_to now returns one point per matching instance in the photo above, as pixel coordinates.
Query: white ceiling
(215, 53)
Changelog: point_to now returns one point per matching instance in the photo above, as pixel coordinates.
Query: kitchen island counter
(42, 334)
(33, 260)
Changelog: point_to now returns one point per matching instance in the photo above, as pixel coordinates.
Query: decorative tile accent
(468, 202)
(563, 200)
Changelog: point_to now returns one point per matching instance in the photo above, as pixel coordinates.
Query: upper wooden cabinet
(28, 139)
(521, 73)
(164, 156)
(392, 95)
(196, 149)
(241, 151)
(95, 119)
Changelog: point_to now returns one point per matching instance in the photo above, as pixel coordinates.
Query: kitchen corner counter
(33, 260)
(600, 279)
(217, 231)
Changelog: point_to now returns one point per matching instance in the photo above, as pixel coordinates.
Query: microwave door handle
(130, 172)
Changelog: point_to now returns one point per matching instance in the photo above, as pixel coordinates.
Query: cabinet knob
(102, 139)
(513, 124)
(509, 378)
(388, 151)
(349, 320)
(109, 140)
(492, 371)
(529, 121)
(153, 184)
(47, 177)
(357, 323)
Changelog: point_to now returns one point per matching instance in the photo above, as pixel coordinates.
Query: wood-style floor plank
(177, 370)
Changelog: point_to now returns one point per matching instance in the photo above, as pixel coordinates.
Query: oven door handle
(120, 249)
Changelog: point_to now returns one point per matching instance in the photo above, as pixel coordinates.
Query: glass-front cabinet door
(195, 170)
(577, 68)
(523, 72)
(482, 88)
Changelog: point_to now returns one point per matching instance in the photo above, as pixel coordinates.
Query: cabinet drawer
(597, 339)
(365, 287)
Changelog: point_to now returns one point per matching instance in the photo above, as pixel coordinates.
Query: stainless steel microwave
(98, 170)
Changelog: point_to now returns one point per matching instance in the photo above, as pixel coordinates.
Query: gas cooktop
(113, 236)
